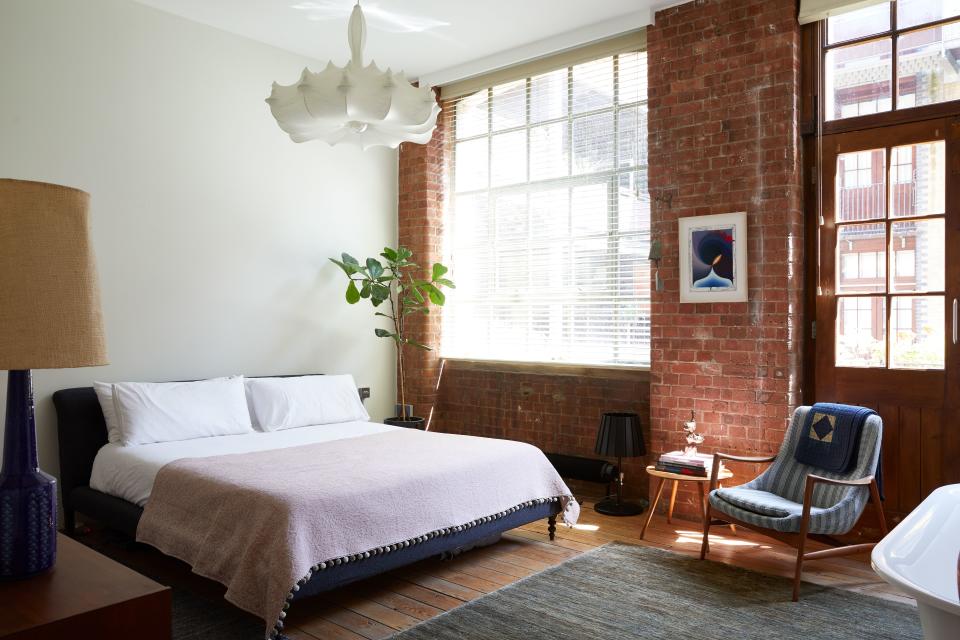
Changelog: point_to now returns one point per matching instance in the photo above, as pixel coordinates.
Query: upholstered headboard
(81, 431)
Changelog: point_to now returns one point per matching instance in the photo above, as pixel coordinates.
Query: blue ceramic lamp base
(28, 496)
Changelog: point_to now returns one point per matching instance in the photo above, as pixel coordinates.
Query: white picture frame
(713, 258)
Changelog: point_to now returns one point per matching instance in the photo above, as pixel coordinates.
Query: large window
(892, 55)
(548, 218)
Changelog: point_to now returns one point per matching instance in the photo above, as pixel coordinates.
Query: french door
(888, 288)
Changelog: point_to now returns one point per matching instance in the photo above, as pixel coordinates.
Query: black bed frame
(82, 432)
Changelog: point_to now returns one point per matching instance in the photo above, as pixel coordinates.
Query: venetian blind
(547, 219)
(815, 10)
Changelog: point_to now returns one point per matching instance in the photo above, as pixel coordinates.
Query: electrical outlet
(364, 392)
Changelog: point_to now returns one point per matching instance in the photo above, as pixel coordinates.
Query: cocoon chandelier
(355, 104)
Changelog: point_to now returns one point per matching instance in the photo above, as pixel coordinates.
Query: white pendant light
(356, 104)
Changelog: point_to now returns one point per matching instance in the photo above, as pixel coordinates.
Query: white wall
(212, 229)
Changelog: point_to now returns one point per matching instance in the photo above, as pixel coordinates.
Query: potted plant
(393, 281)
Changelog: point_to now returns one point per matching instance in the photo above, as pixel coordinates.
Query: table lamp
(49, 319)
(619, 435)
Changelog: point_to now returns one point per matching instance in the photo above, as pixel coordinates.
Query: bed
(115, 490)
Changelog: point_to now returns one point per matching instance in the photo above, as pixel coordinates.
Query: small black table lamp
(619, 435)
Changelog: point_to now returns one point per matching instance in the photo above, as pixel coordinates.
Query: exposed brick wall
(558, 413)
(724, 80)
(420, 215)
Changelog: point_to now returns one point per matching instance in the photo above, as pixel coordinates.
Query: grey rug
(626, 591)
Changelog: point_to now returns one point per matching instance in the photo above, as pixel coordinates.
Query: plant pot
(412, 422)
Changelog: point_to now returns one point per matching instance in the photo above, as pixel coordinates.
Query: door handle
(955, 337)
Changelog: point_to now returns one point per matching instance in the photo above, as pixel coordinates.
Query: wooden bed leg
(552, 527)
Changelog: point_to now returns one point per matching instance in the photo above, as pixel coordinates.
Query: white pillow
(286, 403)
(105, 396)
(165, 411)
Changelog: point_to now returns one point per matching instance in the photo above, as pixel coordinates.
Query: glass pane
(471, 115)
(861, 258)
(588, 210)
(508, 158)
(593, 146)
(917, 338)
(511, 217)
(918, 179)
(927, 66)
(548, 96)
(857, 79)
(861, 332)
(634, 204)
(549, 151)
(471, 224)
(633, 136)
(549, 213)
(859, 23)
(913, 12)
(593, 85)
(633, 77)
(510, 105)
(860, 185)
(471, 165)
(918, 252)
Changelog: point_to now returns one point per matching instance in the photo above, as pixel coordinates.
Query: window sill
(614, 372)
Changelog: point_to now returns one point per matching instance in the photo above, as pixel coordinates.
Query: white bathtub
(921, 556)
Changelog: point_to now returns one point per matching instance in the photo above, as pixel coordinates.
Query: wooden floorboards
(378, 607)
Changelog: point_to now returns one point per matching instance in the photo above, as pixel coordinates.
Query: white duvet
(129, 472)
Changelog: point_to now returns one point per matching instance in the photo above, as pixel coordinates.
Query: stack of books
(697, 465)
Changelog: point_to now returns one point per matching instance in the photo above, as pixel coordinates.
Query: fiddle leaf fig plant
(394, 280)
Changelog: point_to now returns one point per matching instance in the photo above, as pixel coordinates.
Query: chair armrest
(812, 479)
(727, 456)
(811, 482)
(717, 457)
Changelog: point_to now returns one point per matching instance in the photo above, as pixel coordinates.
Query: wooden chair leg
(875, 497)
(552, 527)
(707, 517)
(673, 499)
(653, 507)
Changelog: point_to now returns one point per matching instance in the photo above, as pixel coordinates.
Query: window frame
(895, 115)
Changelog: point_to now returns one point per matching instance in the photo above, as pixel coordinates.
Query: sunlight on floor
(585, 527)
(696, 537)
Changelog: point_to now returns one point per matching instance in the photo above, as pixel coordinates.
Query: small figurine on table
(693, 438)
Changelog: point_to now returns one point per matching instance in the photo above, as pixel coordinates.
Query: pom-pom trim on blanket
(379, 551)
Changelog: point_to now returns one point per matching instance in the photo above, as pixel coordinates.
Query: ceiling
(421, 37)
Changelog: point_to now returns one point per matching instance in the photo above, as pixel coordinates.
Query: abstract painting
(713, 258)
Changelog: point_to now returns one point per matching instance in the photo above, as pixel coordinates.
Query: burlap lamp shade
(49, 319)
(49, 296)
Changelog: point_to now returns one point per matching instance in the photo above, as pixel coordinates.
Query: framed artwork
(713, 258)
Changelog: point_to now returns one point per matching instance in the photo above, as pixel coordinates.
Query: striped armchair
(793, 502)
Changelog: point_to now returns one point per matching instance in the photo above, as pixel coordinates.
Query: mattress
(129, 472)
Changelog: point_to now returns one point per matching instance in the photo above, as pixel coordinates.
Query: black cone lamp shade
(619, 436)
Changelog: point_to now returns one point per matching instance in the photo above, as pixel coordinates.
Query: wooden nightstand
(85, 595)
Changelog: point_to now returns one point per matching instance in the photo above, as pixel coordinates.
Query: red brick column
(420, 229)
(724, 78)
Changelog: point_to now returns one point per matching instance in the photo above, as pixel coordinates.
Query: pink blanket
(260, 523)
